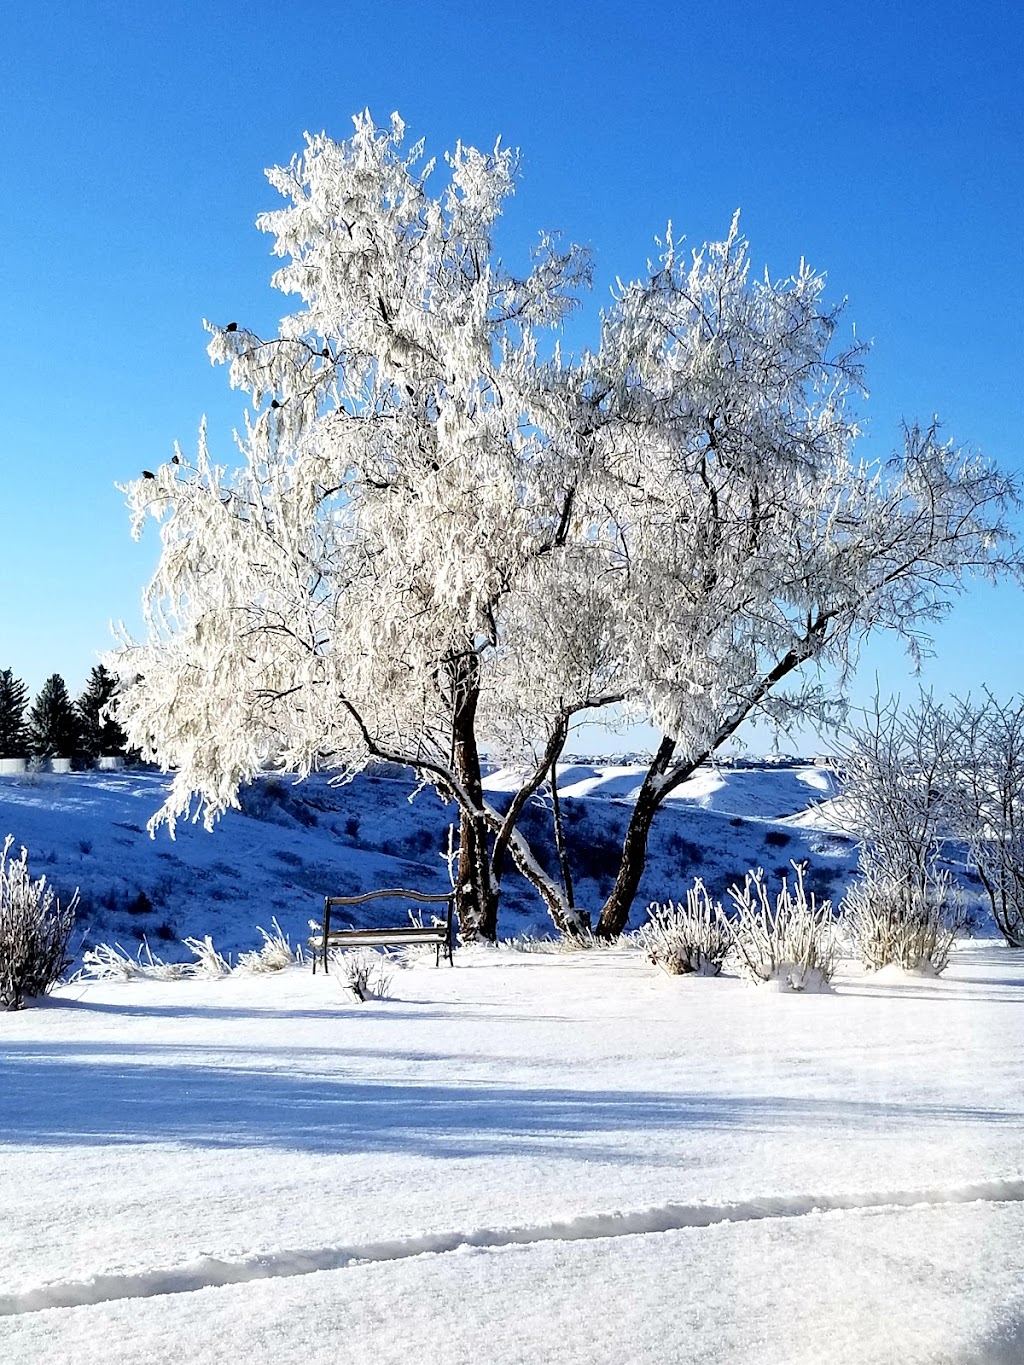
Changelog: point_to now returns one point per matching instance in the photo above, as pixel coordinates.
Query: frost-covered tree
(440, 530)
(13, 701)
(53, 730)
(750, 539)
(900, 788)
(339, 596)
(99, 733)
(902, 798)
(917, 776)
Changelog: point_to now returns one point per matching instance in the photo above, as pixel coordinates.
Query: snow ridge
(210, 1272)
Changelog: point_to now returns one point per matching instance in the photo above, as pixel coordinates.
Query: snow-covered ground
(527, 1158)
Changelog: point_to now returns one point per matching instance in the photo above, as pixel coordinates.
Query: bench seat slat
(338, 937)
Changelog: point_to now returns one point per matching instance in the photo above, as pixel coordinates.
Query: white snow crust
(526, 1158)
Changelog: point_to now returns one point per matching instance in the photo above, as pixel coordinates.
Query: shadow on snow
(90, 1094)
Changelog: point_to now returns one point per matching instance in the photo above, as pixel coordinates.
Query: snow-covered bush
(35, 929)
(909, 922)
(276, 953)
(363, 972)
(110, 962)
(209, 961)
(691, 937)
(790, 939)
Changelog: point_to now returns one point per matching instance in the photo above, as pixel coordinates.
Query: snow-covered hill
(290, 844)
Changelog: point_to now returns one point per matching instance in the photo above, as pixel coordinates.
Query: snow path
(211, 1272)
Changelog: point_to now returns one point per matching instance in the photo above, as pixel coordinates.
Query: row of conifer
(55, 725)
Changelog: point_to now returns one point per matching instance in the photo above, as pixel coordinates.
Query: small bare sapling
(363, 972)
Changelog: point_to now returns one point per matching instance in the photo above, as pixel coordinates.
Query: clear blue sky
(884, 142)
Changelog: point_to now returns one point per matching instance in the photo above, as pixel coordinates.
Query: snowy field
(526, 1158)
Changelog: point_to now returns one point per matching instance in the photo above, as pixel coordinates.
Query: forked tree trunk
(519, 802)
(663, 777)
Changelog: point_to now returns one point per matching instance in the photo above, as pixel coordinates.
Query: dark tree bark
(615, 911)
(476, 896)
(502, 839)
(560, 845)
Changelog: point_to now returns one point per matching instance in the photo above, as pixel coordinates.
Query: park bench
(441, 935)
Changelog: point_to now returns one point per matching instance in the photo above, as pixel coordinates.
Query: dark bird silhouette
(148, 474)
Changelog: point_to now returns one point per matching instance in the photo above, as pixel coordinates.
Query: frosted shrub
(580, 941)
(910, 778)
(363, 972)
(276, 953)
(209, 961)
(110, 962)
(694, 937)
(789, 938)
(35, 929)
(908, 922)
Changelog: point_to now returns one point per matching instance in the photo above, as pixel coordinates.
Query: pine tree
(13, 700)
(98, 732)
(53, 728)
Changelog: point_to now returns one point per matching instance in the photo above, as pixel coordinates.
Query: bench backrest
(449, 896)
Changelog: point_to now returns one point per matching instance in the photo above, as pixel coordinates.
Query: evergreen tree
(13, 700)
(53, 729)
(98, 732)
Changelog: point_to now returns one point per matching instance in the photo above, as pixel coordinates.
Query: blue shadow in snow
(68, 1097)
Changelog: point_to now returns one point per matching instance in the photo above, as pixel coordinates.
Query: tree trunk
(563, 852)
(571, 923)
(476, 899)
(615, 911)
(476, 902)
